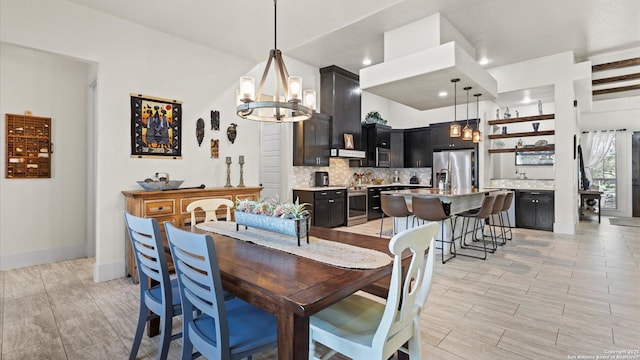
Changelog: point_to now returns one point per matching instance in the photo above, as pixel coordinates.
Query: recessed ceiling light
(443, 93)
(526, 99)
(366, 62)
(483, 61)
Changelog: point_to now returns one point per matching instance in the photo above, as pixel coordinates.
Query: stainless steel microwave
(383, 157)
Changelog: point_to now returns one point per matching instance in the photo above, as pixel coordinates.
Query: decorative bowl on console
(160, 185)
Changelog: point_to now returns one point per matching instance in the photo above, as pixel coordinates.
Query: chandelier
(454, 129)
(477, 135)
(289, 102)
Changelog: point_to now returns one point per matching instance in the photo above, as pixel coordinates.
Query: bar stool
(498, 204)
(430, 209)
(479, 217)
(505, 209)
(394, 206)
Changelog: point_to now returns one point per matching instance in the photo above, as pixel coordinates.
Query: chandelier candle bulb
(228, 160)
(241, 160)
(310, 99)
(247, 86)
(295, 88)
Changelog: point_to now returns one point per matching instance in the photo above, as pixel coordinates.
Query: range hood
(348, 153)
(416, 79)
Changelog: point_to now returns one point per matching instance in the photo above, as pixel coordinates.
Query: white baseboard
(564, 228)
(110, 271)
(31, 258)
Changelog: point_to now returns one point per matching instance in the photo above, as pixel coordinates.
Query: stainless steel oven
(356, 205)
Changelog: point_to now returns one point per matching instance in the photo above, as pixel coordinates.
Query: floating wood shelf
(523, 149)
(616, 64)
(522, 134)
(522, 119)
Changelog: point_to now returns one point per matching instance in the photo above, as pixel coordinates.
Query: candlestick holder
(241, 162)
(228, 162)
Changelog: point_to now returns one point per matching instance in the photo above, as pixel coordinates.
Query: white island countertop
(460, 199)
(434, 192)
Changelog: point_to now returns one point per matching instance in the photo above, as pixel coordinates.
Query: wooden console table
(590, 194)
(171, 205)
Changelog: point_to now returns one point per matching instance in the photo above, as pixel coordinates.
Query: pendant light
(454, 129)
(289, 102)
(467, 132)
(477, 135)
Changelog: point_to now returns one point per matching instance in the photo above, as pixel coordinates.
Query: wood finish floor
(542, 296)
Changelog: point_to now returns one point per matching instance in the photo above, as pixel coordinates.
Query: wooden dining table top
(292, 287)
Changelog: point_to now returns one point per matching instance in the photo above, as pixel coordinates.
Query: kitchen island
(460, 200)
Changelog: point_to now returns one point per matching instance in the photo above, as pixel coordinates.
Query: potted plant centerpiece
(286, 218)
(374, 117)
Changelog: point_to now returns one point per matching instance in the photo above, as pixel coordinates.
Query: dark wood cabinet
(396, 138)
(440, 136)
(535, 209)
(375, 136)
(340, 98)
(311, 141)
(373, 200)
(418, 151)
(327, 206)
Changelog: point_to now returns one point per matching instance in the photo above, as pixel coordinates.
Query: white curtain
(596, 147)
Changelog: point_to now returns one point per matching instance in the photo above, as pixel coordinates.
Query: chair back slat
(150, 268)
(407, 295)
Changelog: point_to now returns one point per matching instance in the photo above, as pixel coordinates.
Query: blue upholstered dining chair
(216, 328)
(361, 328)
(163, 298)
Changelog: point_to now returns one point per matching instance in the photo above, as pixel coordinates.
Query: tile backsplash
(341, 174)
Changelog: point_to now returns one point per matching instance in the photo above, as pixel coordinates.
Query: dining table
(292, 287)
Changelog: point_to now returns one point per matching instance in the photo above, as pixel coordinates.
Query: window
(604, 175)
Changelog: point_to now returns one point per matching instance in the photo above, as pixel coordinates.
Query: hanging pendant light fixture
(467, 132)
(477, 135)
(454, 129)
(289, 102)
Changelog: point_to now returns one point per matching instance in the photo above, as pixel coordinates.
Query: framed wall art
(155, 127)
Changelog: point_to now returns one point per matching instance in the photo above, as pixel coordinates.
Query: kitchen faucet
(522, 175)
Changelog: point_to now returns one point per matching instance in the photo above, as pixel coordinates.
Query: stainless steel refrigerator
(460, 166)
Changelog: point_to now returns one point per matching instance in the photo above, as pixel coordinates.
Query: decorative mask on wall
(215, 120)
(232, 132)
(200, 131)
(214, 148)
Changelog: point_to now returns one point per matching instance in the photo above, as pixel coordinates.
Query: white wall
(552, 70)
(43, 220)
(132, 58)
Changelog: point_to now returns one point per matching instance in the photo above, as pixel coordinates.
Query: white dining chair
(210, 208)
(362, 328)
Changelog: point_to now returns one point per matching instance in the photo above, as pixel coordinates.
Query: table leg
(293, 336)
